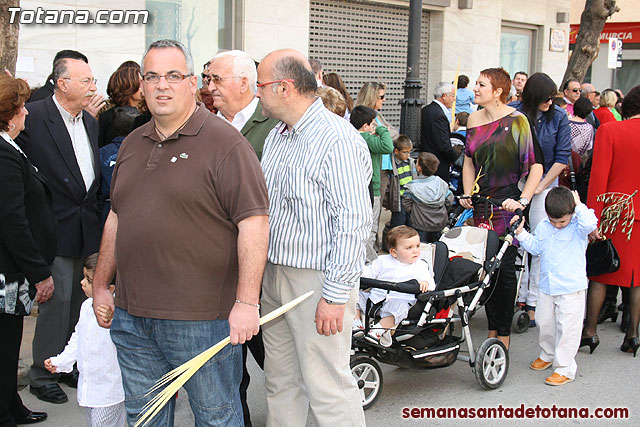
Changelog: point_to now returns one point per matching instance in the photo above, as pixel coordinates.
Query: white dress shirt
(80, 142)
(243, 116)
(100, 381)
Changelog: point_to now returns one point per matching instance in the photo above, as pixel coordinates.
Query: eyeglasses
(173, 78)
(550, 99)
(276, 81)
(576, 90)
(84, 81)
(381, 96)
(216, 79)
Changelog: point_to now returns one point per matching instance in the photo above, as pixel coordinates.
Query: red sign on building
(628, 32)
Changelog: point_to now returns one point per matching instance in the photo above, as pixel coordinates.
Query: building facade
(361, 40)
(624, 25)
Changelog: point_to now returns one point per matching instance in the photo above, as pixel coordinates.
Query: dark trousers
(256, 347)
(399, 218)
(499, 306)
(57, 317)
(10, 403)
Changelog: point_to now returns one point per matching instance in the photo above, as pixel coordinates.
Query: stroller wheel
(492, 363)
(520, 322)
(368, 376)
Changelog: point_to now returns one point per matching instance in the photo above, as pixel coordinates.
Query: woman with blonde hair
(607, 111)
(372, 95)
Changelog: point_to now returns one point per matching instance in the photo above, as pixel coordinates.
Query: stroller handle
(409, 287)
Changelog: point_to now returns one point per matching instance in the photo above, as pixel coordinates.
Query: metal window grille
(365, 41)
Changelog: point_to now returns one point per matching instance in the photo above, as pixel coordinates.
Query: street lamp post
(412, 103)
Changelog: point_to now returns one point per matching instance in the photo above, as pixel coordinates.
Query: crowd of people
(154, 223)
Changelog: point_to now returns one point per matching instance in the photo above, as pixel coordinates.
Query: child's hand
(49, 366)
(576, 197)
(424, 286)
(520, 227)
(105, 312)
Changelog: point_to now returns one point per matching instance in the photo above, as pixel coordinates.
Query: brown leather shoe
(539, 365)
(557, 379)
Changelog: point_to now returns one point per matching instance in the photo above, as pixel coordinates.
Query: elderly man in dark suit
(232, 81)
(61, 140)
(435, 130)
(97, 101)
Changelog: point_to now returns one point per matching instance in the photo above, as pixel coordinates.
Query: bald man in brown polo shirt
(188, 233)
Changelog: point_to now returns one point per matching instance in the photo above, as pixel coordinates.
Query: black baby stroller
(464, 261)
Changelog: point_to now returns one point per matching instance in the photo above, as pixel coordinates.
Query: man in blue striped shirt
(317, 169)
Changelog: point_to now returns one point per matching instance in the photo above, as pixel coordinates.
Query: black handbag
(602, 258)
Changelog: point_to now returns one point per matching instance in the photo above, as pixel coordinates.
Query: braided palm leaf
(619, 211)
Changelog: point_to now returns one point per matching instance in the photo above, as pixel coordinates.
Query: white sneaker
(357, 329)
(378, 335)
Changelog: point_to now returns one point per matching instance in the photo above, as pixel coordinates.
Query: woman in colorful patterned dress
(504, 159)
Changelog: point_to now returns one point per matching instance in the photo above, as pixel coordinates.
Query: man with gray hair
(588, 91)
(232, 82)
(317, 169)
(188, 234)
(61, 140)
(435, 131)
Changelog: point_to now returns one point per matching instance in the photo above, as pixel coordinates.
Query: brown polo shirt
(178, 203)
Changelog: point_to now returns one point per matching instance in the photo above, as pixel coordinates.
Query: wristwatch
(328, 301)
(524, 201)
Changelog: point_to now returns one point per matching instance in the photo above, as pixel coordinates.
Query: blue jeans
(149, 348)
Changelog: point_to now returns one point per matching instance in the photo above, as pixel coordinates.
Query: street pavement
(606, 379)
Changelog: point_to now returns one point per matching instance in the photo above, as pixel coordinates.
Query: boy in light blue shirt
(561, 242)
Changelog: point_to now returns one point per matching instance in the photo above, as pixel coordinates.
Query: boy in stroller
(403, 263)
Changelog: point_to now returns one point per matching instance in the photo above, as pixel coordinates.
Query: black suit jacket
(27, 221)
(45, 91)
(47, 144)
(435, 138)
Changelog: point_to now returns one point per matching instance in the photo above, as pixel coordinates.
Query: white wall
(106, 46)
(271, 25)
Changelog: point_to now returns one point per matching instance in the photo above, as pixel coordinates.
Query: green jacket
(257, 128)
(379, 143)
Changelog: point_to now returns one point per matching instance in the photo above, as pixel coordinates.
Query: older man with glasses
(232, 82)
(61, 140)
(192, 235)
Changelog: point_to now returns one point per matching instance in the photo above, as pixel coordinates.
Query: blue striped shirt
(317, 176)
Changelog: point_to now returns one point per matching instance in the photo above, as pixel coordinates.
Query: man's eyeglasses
(85, 81)
(276, 81)
(577, 90)
(216, 79)
(173, 78)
